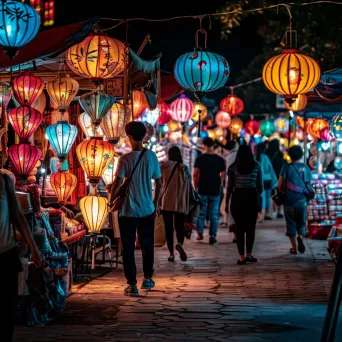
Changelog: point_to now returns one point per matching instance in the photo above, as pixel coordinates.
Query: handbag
(309, 191)
(123, 191)
(279, 197)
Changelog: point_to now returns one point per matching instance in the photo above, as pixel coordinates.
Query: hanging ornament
(5, 96)
(94, 210)
(182, 109)
(108, 175)
(94, 156)
(267, 128)
(97, 57)
(236, 125)
(299, 103)
(62, 90)
(63, 183)
(232, 104)
(282, 125)
(27, 88)
(336, 127)
(164, 113)
(222, 119)
(24, 120)
(139, 102)
(87, 127)
(202, 114)
(61, 137)
(252, 127)
(19, 24)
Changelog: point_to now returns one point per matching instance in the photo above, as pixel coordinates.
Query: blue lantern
(19, 24)
(61, 137)
(201, 71)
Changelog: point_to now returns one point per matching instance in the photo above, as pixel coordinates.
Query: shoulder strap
(138, 161)
(286, 177)
(169, 180)
(302, 179)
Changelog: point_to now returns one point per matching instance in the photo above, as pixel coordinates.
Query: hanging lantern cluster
(222, 119)
(282, 125)
(267, 128)
(63, 183)
(200, 112)
(336, 127)
(232, 104)
(236, 125)
(182, 109)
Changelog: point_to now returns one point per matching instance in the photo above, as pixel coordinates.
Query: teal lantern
(19, 24)
(267, 128)
(336, 127)
(201, 71)
(61, 137)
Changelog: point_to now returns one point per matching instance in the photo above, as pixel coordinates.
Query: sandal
(293, 251)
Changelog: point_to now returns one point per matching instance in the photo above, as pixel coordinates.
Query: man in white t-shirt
(138, 210)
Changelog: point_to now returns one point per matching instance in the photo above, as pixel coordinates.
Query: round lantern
(94, 210)
(62, 91)
(252, 127)
(336, 127)
(291, 74)
(5, 96)
(24, 120)
(27, 88)
(19, 24)
(97, 105)
(267, 128)
(222, 119)
(315, 128)
(164, 113)
(113, 124)
(94, 156)
(97, 57)
(325, 134)
(56, 115)
(139, 102)
(282, 125)
(174, 126)
(236, 125)
(87, 127)
(299, 104)
(202, 114)
(232, 104)
(63, 183)
(61, 137)
(108, 175)
(24, 158)
(182, 109)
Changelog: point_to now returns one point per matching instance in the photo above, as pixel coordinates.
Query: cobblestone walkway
(209, 298)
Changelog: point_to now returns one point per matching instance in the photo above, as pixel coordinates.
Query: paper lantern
(94, 210)
(252, 127)
(139, 102)
(203, 112)
(315, 128)
(299, 104)
(87, 127)
(300, 121)
(62, 90)
(174, 126)
(236, 125)
(97, 57)
(182, 109)
(282, 125)
(232, 104)
(336, 127)
(108, 175)
(94, 156)
(291, 74)
(24, 158)
(164, 113)
(24, 120)
(113, 124)
(56, 115)
(267, 128)
(40, 103)
(325, 134)
(150, 116)
(5, 96)
(61, 137)
(222, 119)
(19, 24)
(97, 105)
(27, 88)
(63, 183)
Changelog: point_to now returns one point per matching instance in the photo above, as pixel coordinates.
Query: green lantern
(267, 128)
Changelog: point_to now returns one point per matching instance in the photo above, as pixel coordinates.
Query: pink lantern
(164, 113)
(223, 119)
(182, 109)
(325, 134)
(252, 127)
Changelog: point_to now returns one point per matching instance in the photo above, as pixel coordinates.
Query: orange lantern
(315, 128)
(236, 125)
(94, 156)
(97, 57)
(202, 114)
(299, 104)
(222, 119)
(300, 121)
(232, 104)
(139, 102)
(27, 88)
(63, 183)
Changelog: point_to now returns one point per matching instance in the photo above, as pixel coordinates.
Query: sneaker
(181, 251)
(251, 259)
(301, 247)
(268, 218)
(239, 262)
(131, 291)
(280, 216)
(199, 236)
(171, 258)
(148, 284)
(213, 241)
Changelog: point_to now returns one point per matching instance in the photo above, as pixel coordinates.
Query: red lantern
(252, 127)
(223, 119)
(232, 104)
(27, 88)
(24, 158)
(325, 134)
(164, 113)
(182, 109)
(63, 183)
(25, 120)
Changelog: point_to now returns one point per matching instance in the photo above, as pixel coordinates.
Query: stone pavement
(208, 298)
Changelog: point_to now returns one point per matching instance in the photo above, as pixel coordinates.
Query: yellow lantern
(62, 91)
(63, 183)
(139, 102)
(97, 57)
(94, 156)
(211, 134)
(299, 104)
(219, 132)
(174, 126)
(203, 114)
(236, 125)
(94, 210)
(291, 74)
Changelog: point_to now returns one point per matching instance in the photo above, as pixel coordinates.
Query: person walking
(209, 172)
(245, 186)
(270, 181)
(175, 200)
(293, 183)
(140, 166)
(11, 219)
